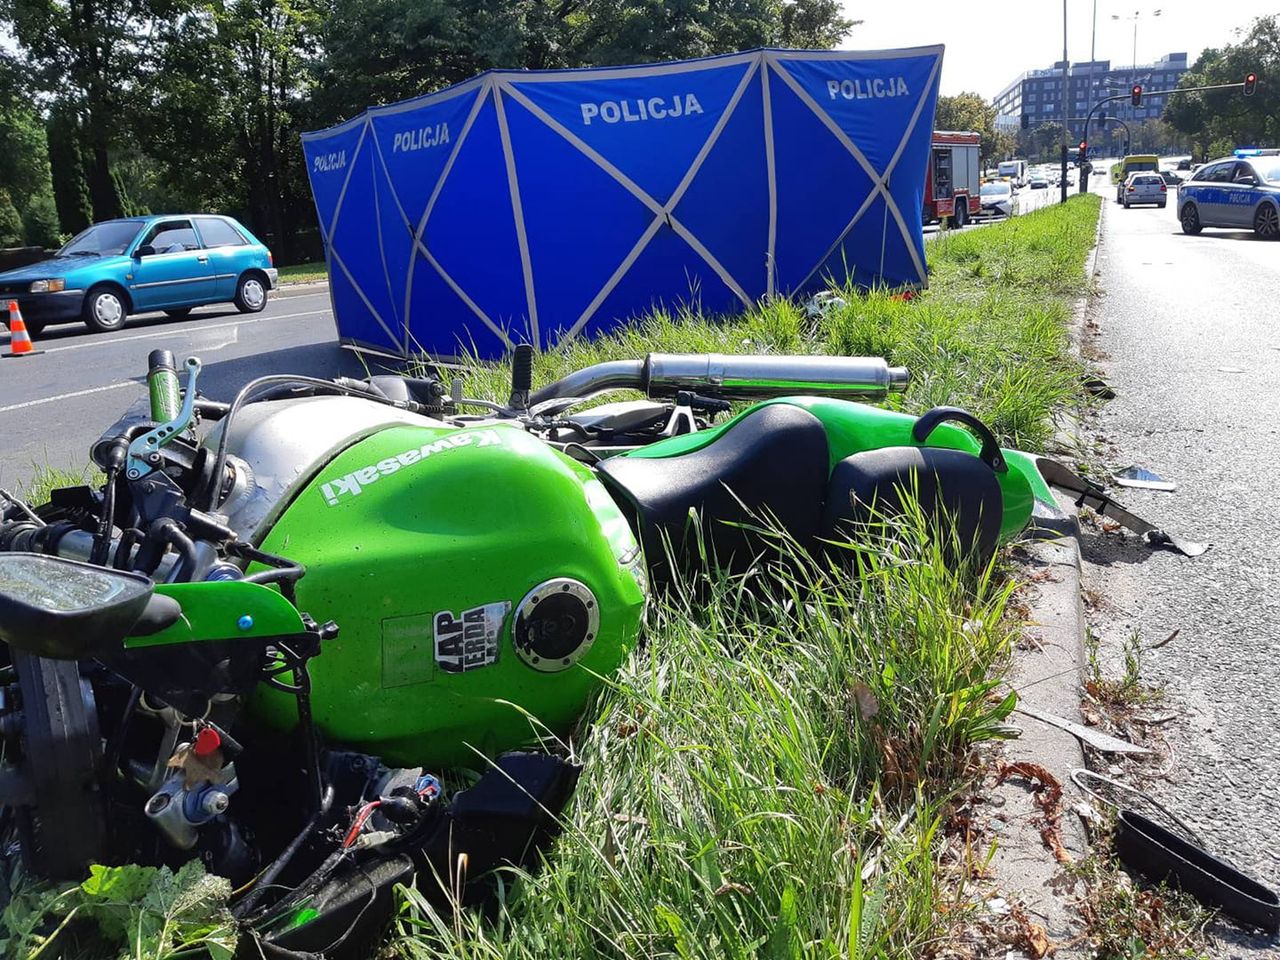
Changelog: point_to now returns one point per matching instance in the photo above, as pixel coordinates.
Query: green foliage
(1226, 118)
(12, 232)
(24, 164)
(138, 913)
(40, 221)
(1125, 920)
(385, 50)
(70, 189)
(969, 111)
(304, 272)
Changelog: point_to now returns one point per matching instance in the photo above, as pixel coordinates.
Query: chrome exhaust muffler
(761, 377)
(732, 377)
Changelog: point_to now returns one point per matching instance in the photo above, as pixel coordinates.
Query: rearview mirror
(65, 609)
(146, 250)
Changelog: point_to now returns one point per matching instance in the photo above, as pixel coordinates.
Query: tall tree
(24, 161)
(11, 232)
(969, 111)
(87, 53)
(228, 86)
(377, 51)
(70, 189)
(1214, 117)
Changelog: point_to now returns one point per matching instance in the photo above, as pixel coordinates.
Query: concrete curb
(1047, 676)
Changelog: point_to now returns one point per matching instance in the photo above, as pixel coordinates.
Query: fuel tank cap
(556, 623)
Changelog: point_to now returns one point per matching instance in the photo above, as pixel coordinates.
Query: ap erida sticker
(469, 640)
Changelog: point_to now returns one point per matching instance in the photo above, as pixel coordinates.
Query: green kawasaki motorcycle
(280, 618)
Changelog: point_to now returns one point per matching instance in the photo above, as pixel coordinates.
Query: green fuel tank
(480, 579)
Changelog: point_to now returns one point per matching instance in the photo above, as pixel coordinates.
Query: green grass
(769, 773)
(989, 333)
(46, 479)
(304, 272)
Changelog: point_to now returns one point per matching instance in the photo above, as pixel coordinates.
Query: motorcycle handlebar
(748, 377)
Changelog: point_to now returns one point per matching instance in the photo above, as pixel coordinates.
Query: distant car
(1234, 192)
(1039, 183)
(139, 264)
(997, 198)
(1184, 164)
(1142, 188)
(1170, 178)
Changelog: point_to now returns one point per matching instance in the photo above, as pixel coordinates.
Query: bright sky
(990, 43)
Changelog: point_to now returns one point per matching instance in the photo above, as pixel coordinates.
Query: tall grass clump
(765, 776)
(989, 333)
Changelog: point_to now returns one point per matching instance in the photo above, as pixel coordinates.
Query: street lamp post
(1066, 127)
(1137, 15)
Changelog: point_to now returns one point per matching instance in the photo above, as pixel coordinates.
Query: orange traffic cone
(20, 344)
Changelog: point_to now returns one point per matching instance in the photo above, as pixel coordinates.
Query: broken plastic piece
(1143, 479)
(1090, 495)
(1097, 387)
(1162, 856)
(1094, 738)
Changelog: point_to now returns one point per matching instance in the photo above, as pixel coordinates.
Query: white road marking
(175, 332)
(68, 396)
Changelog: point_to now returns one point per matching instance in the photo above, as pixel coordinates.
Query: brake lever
(144, 452)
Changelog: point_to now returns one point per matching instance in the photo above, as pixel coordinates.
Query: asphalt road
(1026, 200)
(53, 406)
(1190, 336)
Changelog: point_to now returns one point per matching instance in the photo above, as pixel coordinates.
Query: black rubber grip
(522, 368)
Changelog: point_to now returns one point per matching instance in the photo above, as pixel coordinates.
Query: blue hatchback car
(139, 264)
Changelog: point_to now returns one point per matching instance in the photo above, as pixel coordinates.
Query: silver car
(997, 198)
(1234, 192)
(1142, 187)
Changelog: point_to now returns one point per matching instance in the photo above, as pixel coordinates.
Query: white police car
(1239, 191)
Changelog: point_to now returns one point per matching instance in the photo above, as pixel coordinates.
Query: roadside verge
(1026, 869)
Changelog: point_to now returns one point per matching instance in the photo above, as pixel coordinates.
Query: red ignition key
(207, 741)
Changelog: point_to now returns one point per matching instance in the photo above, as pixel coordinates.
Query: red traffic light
(1084, 145)
(1137, 94)
(1250, 84)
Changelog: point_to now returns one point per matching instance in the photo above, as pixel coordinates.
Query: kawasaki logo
(353, 483)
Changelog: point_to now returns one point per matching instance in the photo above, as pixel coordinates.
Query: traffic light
(1084, 152)
(1137, 94)
(1250, 84)
(1026, 120)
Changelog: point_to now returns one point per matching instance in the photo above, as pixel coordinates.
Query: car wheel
(961, 215)
(34, 327)
(251, 294)
(104, 310)
(1126, 204)
(181, 313)
(1266, 222)
(1190, 220)
(1160, 205)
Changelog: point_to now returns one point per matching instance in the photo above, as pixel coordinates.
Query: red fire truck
(951, 184)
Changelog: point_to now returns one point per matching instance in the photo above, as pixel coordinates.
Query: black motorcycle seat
(768, 468)
(868, 487)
